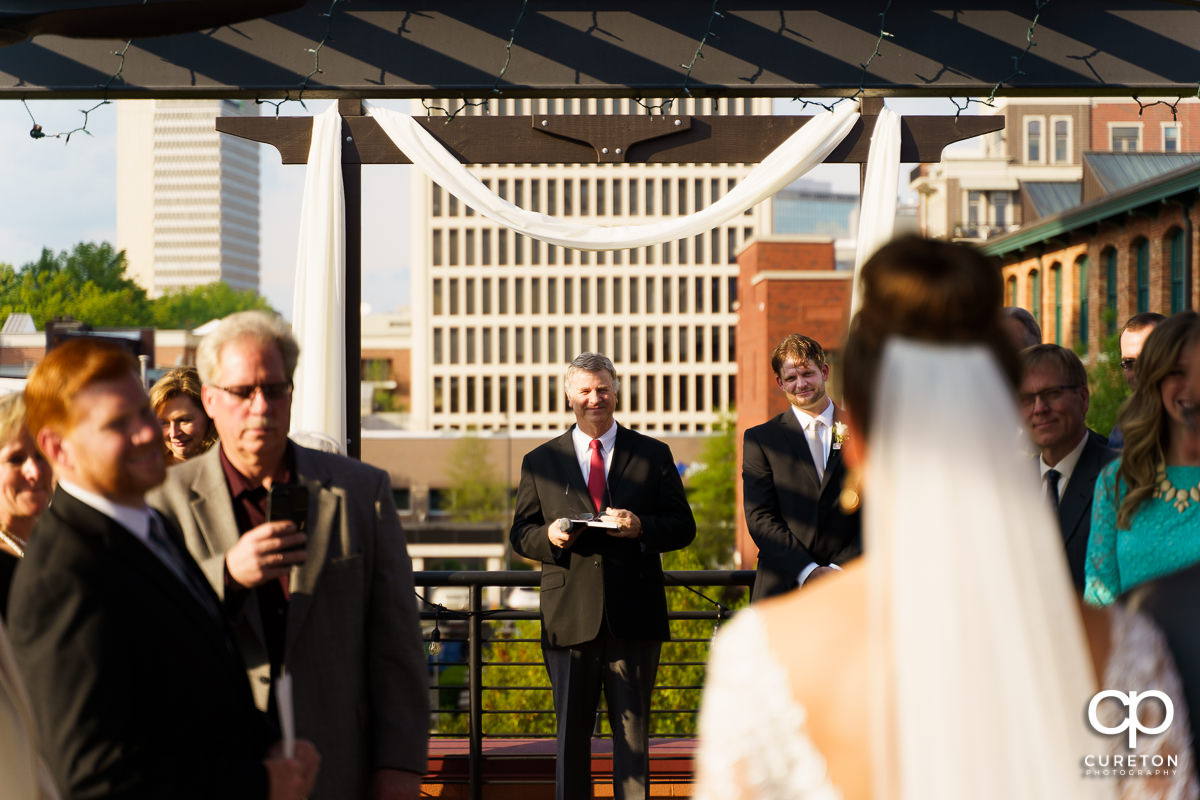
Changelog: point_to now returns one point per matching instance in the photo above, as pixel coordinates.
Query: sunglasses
(269, 391)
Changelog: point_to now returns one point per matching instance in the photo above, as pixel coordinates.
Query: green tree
(191, 308)
(712, 497)
(89, 284)
(476, 492)
(1106, 385)
(86, 282)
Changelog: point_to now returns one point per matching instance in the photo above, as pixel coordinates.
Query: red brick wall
(1151, 119)
(1122, 233)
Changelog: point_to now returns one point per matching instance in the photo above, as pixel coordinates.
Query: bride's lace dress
(754, 743)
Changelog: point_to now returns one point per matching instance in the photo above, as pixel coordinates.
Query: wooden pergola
(645, 49)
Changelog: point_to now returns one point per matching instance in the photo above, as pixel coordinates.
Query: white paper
(287, 717)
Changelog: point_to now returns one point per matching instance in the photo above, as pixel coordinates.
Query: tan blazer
(22, 773)
(353, 642)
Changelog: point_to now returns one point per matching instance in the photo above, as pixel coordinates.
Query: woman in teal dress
(1146, 509)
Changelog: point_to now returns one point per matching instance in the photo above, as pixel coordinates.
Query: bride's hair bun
(927, 290)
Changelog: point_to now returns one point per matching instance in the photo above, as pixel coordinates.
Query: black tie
(1052, 476)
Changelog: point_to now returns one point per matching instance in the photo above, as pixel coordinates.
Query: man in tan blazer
(331, 603)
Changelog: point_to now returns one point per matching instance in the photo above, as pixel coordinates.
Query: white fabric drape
(318, 302)
(877, 212)
(802, 151)
(982, 672)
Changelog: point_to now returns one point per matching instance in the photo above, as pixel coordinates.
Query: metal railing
(476, 629)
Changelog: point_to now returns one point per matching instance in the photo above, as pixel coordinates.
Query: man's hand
(395, 784)
(258, 556)
(292, 778)
(628, 524)
(560, 534)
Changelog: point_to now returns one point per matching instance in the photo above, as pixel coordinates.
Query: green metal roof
(1178, 181)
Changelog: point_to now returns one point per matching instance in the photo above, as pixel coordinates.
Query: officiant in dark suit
(135, 680)
(793, 475)
(1054, 402)
(604, 609)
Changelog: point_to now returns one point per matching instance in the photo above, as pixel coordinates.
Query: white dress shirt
(583, 449)
(819, 440)
(1065, 466)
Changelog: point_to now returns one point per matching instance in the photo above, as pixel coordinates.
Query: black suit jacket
(1075, 507)
(138, 691)
(1173, 602)
(601, 577)
(792, 515)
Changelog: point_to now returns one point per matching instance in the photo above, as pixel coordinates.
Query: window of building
(585, 196)
(487, 394)
(650, 348)
(568, 295)
(618, 345)
(683, 393)
(436, 200)
(1010, 291)
(439, 502)
(568, 193)
(470, 298)
(454, 393)
(519, 346)
(1110, 290)
(1061, 131)
(437, 345)
(602, 295)
(1002, 208)
(502, 246)
(666, 296)
(1035, 284)
(437, 248)
(535, 344)
(1170, 137)
(453, 292)
(635, 399)
(634, 344)
(469, 356)
(616, 197)
(1141, 255)
(439, 387)
(535, 295)
(503, 343)
(1081, 269)
(1033, 140)
(469, 248)
(486, 346)
(976, 211)
(403, 500)
(437, 297)
(1056, 282)
(1125, 137)
(519, 295)
(585, 296)
(1174, 250)
(503, 393)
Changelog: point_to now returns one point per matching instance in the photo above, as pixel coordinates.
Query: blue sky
(58, 194)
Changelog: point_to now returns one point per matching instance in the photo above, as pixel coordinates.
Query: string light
(512, 36)
(37, 132)
(316, 69)
(664, 106)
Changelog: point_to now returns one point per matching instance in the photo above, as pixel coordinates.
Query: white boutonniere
(840, 434)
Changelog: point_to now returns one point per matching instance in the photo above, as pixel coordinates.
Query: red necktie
(596, 476)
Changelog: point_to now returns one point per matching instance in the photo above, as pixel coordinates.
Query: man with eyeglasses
(1054, 401)
(1133, 336)
(331, 604)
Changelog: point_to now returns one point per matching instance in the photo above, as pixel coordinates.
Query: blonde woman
(1146, 511)
(25, 483)
(187, 430)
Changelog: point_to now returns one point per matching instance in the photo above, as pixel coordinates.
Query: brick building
(1130, 246)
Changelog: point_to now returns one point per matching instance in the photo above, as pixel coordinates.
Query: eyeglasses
(1128, 364)
(1048, 396)
(269, 391)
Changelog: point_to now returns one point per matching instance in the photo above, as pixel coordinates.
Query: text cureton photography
(1121, 716)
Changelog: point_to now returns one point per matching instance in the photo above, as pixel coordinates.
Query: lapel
(324, 501)
(211, 506)
(623, 447)
(126, 548)
(833, 462)
(1077, 497)
(797, 443)
(568, 466)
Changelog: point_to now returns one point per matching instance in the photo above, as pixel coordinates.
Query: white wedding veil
(982, 673)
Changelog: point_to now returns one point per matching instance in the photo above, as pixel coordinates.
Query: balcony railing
(488, 681)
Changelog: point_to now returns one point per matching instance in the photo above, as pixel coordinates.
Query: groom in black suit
(604, 609)
(1054, 402)
(135, 680)
(792, 476)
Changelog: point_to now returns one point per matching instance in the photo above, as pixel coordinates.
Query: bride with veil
(951, 661)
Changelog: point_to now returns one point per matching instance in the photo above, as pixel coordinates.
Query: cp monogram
(1132, 721)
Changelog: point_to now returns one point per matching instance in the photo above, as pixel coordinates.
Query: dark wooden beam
(352, 192)
(583, 139)
(637, 48)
